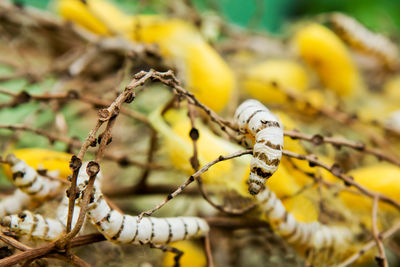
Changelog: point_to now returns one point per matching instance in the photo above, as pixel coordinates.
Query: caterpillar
(124, 229)
(30, 182)
(254, 120)
(32, 188)
(364, 40)
(14, 203)
(117, 227)
(313, 235)
(34, 225)
(39, 227)
(62, 216)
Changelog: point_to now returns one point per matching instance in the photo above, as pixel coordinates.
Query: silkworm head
(254, 188)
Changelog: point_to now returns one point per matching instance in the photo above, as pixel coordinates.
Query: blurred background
(45, 55)
(273, 15)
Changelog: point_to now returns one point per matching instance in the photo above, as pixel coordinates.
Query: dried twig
(336, 170)
(73, 142)
(318, 139)
(386, 234)
(192, 178)
(381, 260)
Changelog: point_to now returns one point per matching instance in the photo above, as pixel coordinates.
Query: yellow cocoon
(76, 11)
(328, 56)
(263, 81)
(203, 70)
(232, 174)
(193, 255)
(43, 159)
(301, 208)
(383, 178)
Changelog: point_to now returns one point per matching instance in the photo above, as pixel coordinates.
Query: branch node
(75, 163)
(92, 168)
(317, 140)
(104, 114)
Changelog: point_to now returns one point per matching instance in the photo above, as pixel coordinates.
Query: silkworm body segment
(30, 182)
(14, 203)
(122, 228)
(34, 225)
(313, 235)
(265, 130)
(360, 38)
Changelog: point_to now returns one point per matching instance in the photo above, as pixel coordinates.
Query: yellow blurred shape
(201, 67)
(205, 72)
(382, 178)
(232, 174)
(264, 81)
(328, 56)
(43, 159)
(193, 255)
(76, 11)
(392, 89)
(301, 208)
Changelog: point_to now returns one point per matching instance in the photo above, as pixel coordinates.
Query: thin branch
(318, 139)
(24, 97)
(381, 260)
(49, 248)
(369, 245)
(92, 170)
(192, 178)
(336, 170)
(122, 160)
(207, 248)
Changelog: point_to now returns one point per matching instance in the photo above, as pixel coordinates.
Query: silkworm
(62, 216)
(34, 225)
(266, 134)
(362, 39)
(32, 188)
(122, 228)
(312, 235)
(30, 182)
(14, 203)
(117, 227)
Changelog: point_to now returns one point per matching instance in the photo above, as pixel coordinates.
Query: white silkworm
(313, 235)
(14, 203)
(62, 216)
(32, 188)
(30, 182)
(360, 38)
(122, 228)
(254, 119)
(34, 225)
(117, 227)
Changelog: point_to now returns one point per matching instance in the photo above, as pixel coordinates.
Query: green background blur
(272, 15)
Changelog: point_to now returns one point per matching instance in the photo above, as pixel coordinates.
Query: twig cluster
(100, 136)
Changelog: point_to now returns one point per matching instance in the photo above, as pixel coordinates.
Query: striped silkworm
(62, 216)
(312, 235)
(256, 122)
(14, 203)
(30, 182)
(117, 227)
(122, 228)
(32, 188)
(34, 225)
(362, 39)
